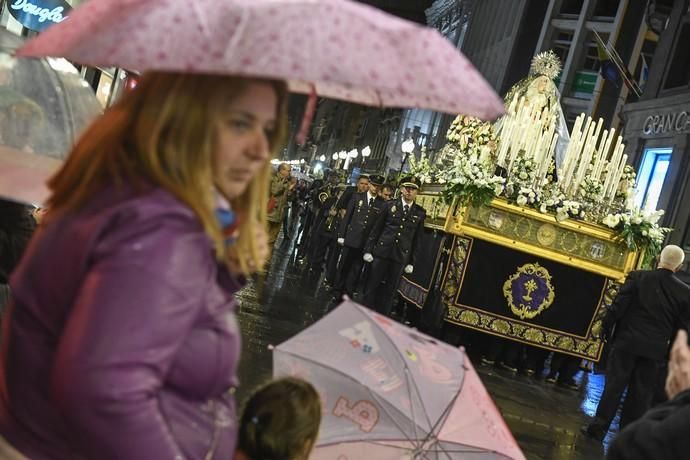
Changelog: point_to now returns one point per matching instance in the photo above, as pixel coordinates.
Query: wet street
(544, 418)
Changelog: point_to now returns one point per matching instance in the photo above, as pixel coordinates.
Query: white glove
(368, 257)
(409, 269)
(341, 241)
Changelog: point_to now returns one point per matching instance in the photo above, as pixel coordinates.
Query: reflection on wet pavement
(544, 418)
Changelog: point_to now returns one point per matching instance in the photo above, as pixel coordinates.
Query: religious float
(530, 229)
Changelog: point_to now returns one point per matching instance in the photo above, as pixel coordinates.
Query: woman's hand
(261, 242)
(678, 379)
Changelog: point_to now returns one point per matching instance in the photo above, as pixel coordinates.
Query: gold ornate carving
(546, 234)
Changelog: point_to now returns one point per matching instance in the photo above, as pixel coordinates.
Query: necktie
(371, 201)
(406, 208)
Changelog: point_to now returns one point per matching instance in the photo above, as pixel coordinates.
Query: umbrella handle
(307, 118)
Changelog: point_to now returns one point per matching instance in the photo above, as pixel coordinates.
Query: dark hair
(389, 187)
(280, 421)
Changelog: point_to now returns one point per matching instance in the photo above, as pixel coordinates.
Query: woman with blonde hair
(121, 340)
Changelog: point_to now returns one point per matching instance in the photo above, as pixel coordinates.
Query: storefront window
(105, 84)
(650, 179)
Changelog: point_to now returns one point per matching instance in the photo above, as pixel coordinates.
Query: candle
(568, 156)
(617, 179)
(581, 151)
(615, 160)
(577, 153)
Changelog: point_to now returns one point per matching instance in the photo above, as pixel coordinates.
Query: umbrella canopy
(390, 392)
(335, 48)
(44, 106)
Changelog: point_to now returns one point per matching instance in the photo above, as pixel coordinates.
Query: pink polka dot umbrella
(332, 48)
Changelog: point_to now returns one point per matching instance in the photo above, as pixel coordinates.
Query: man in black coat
(391, 246)
(648, 308)
(662, 433)
(361, 212)
(325, 229)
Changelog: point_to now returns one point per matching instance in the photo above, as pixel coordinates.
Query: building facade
(657, 128)
(570, 29)
(428, 128)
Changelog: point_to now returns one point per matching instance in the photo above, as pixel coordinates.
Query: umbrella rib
(406, 368)
(446, 412)
(376, 397)
(409, 395)
(202, 21)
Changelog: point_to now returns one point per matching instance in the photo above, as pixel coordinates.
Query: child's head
(280, 421)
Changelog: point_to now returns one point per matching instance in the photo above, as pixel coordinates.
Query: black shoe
(529, 372)
(551, 378)
(570, 384)
(590, 433)
(508, 368)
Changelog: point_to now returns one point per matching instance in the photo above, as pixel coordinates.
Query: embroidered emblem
(529, 291)
(393, 209)
(360, 203)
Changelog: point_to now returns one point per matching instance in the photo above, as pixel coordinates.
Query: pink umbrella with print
(391, 393)
(331, 48)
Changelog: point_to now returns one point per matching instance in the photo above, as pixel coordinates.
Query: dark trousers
(349, 269)
(504, 351)
(565, 366)
(321, 248)
(381, 285)
(535, 359)
(332, 261)
(638, 374)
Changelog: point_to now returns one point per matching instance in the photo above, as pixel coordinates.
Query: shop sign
(668, 123)
(38, 15)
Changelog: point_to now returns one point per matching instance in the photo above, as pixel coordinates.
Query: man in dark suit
(662, 433)
(324, 228)
(648, 308)
(360, 215)
(391, 246)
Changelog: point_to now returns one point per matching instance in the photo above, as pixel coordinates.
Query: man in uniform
(361, 187)
(361, 212)
(391, 246)
(386, 192)
(325, 228)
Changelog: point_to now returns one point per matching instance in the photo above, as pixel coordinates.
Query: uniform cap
(376, 179)
(411, 181)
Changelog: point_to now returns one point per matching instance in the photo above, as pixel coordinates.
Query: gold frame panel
(456, 225)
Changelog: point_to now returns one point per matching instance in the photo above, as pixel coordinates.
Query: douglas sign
(38, 15)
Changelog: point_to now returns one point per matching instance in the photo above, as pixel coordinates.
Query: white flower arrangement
(639, 229)
(423, 169)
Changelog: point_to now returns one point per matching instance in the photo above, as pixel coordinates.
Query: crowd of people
(362, 240)
(362, 237)
(120, 323)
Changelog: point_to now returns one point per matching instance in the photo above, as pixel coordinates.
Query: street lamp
(366, 151)
(322, 158)
(342, 155)
(353, 153)
(407, 147)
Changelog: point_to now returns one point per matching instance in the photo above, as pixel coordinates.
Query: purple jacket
(121, 341)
